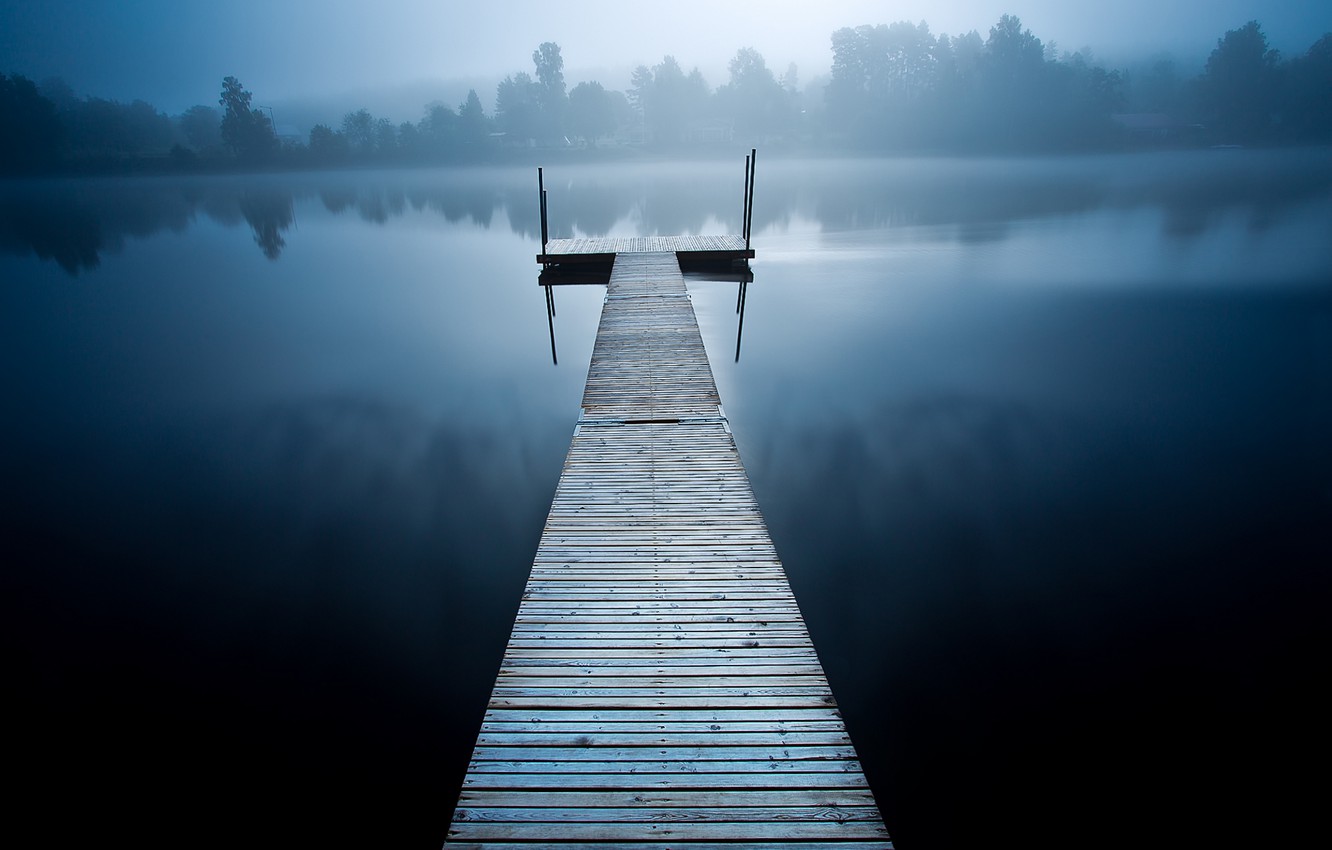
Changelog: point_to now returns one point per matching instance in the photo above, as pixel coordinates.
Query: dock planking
(605, 249)
(659, 688)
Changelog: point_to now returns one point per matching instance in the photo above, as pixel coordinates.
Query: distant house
(505, 140)
(708, 132)
(1156, 127)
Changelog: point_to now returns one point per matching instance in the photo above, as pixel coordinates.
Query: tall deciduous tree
(1013, 52)
(326, 145)
(202, 128)
(1239, 84)
(472, 125)
(386, 137)
(1308, 80)
(359, 129)
(439, 129)
(1014, 102)
(668, 99)
(99, 127)
(517, 107)
(247, 132)
(880, 76)
(29, 130)
(591, 112)
(753, 96)
(550, 91)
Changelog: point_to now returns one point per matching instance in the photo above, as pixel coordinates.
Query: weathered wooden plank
(649, 734)
(669, 814)
(628, 640)
(717, 715)
(561, 749)
(660, 798)
(581, 661)
(751, 780)
(677, 831)
(573, 674)
(698, 684)
(574, 626)
(557, 249)
(673, 845)
(710, 654)
(666, 700)
(699, 770)
(754, 626)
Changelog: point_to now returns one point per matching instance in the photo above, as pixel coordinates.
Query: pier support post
(541, 198)
(750, 162)
(744, 211)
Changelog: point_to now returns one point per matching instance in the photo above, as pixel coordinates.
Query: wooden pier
(659, 688)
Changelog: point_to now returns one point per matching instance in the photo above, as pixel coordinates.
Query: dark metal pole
(541, 197)
(550, 322)
(749, 207)
(744, 214)
(545, 234)
(740, 328)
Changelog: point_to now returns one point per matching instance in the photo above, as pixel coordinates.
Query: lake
(1043, 444)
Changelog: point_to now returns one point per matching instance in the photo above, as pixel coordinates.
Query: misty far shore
(894, 88)
(75, 223)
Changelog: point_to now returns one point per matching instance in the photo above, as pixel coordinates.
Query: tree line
(898, 86)
(892, 87)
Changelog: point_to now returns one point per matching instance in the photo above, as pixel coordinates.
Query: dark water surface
(1043, 445)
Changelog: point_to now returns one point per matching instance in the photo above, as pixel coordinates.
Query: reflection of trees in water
(472, 201)
(75, 223)
(338, 199)
(1197, 195)
(521, 204)
(981, 198)
(268, 213)
(72, 238)
(976, 198)
(456, 201)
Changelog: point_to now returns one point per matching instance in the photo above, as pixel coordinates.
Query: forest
(893, 88)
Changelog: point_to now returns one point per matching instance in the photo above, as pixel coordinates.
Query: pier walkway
(659, 688)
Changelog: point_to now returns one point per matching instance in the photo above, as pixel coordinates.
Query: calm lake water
(1043, 444)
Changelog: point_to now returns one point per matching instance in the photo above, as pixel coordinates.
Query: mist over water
(1040, 441)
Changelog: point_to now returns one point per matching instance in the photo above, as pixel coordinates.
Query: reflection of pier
(659, 688)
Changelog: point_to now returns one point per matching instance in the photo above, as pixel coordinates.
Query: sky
(174, 53)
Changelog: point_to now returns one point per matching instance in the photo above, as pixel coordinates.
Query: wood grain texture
(659, 688)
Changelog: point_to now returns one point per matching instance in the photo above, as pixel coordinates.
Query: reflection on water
(268, 213)
(1040, 536)
(1042, 444)
(76, 223)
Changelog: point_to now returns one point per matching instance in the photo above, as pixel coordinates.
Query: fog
(897, 87)
(173, 55)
